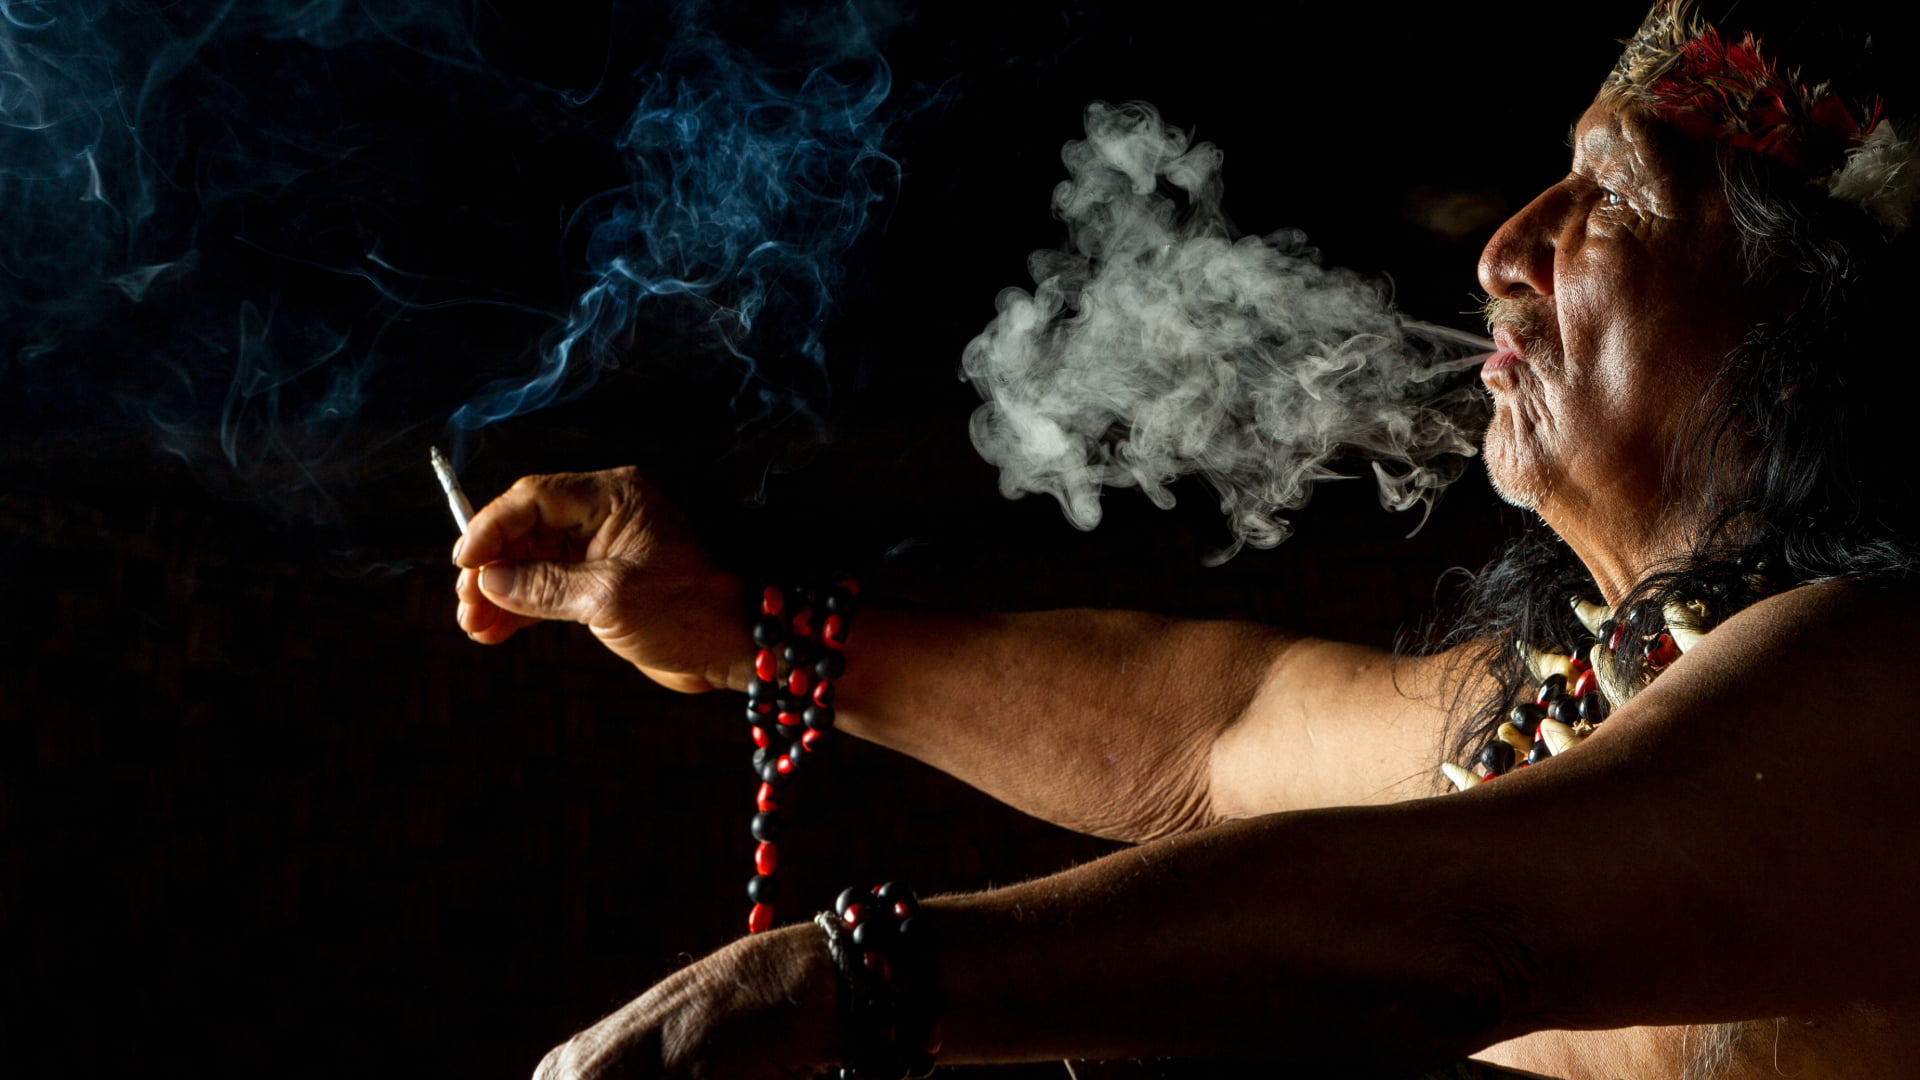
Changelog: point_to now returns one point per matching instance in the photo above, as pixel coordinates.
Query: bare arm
(1707, 856)
(1125, 725)
(1138, 726)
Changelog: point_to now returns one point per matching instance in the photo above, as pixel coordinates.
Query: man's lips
(1507, 354)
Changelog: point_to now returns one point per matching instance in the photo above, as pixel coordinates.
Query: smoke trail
(192, 197)
(1160, 344)
(750, 182)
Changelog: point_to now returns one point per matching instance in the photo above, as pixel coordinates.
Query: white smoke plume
(1159, 344)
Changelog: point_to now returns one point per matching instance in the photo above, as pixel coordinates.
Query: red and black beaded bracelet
(890, 1001)
(790, 707)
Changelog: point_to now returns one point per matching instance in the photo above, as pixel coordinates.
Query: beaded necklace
(1579, 690)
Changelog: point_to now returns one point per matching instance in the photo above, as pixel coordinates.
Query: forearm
(1100, 721)
(1343, 937)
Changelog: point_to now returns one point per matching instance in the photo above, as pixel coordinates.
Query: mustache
(1531, 322)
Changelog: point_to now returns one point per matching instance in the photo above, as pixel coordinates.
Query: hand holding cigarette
(606, 550)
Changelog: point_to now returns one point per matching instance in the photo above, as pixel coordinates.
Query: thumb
(576, 592)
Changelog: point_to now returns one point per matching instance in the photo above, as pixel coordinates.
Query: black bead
(1539, 753)
(770, 772)
(1567, 710)
(873, 935)
(916, 932)
(1593, 708)
(762, 690)
(762, 756)
(794, 754)
(848, 898)
(1526, 718)
(819, 717)
(840, 602)
(769, 630)
(797, 653)
(1555, 685)
(788, 703)
(1497, 756)
(763, 889)
(758, 718)
(1606, 632)
(823, 694)
(831, 666)
(893, 892)
(766, 826)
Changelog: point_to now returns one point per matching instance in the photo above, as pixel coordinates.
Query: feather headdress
(1682, 68)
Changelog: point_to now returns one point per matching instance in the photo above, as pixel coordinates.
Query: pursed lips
(1507, 355)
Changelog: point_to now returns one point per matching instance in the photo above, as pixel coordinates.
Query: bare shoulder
(1842, 639)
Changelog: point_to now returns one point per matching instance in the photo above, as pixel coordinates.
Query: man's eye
(1611, 198)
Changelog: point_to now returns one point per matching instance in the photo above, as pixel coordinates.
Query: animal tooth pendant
(1683, 625)
(1559, 737)
(1592, 616)
(1462, 779)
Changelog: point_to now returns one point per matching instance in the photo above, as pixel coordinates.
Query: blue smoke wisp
(749, 186)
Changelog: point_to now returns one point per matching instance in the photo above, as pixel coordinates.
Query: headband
(1682, 69)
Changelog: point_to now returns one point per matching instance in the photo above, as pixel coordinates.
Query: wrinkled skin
(760, 1009)
(1620, 285)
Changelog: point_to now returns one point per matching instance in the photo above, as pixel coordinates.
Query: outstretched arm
(1125, 725)
(1699, 859)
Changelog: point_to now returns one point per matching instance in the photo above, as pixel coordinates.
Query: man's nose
(1519, 258)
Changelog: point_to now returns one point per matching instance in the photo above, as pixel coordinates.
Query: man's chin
(1512, 481)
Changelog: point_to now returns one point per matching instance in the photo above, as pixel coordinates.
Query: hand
(607, 550)
(762, 1008)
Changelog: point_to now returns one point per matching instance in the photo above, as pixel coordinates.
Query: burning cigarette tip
(456, 498)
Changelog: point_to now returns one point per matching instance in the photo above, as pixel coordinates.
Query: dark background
(265, 810)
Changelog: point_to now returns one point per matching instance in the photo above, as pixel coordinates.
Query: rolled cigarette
(456, 498)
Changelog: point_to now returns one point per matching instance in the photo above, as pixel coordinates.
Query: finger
(573, 504)
(505, 624)
(480, 618)
(578, 592)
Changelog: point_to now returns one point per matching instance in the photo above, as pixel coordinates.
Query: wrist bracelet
(799, 632)
(890, 1001)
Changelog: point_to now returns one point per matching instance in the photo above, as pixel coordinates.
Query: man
(1708, 877)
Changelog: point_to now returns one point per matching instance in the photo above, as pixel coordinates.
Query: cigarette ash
(1159, 343)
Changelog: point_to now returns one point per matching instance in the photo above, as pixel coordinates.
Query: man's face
(1617, 295)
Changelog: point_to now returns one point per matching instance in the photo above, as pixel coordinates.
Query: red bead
(760, 918)
(877, 964)
(1578, 665)
(784, 764)
(765, 858)
(1585, 683)
(811, 740)
(789, 718)
(1664, 651)
(772, 600)
(797, 682)
(765, 801)
(763, 707)
(902, 909)
(802, 623)
(1613, 640)
(852, 586)
(766, 665)
(855, 912)
(834, 632)
(760, 737)
(823, 693)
